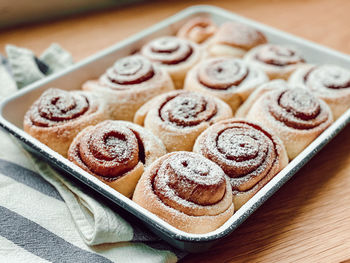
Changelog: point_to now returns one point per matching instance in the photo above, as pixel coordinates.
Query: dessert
(128, 84)
(173, 54)
(58, 116)
(116, 152)
(229, 79)
(197, 29)
(295, 115)
(277, 61)
(248, 154)
(234, 39)
(330, 83)
(186, 190)
(178, 117)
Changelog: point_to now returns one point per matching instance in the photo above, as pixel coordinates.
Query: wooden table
(308, 220)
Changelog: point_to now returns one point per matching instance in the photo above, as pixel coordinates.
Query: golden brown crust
(330, 83)
(295, 115)
(249, 154)
(178, 117)
(166, 189)
(175, 55)
(229, 79)
(234, 39)
(130, 83)
(116, 152)
(277, 61)
(58, 116)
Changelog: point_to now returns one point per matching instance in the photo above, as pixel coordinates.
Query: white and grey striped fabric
(47, 217)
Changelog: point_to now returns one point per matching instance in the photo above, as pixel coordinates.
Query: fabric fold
(56, 58)
(8, 85)
(96, 222)
(25, 69)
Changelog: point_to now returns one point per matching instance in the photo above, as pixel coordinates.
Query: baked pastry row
(57, 116)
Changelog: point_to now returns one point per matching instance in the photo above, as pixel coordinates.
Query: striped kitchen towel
(44, 215)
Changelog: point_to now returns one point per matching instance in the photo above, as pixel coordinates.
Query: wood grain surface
(308, 220)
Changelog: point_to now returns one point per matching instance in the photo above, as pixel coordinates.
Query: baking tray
(13, 109)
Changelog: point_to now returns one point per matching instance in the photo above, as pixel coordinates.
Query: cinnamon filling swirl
(187, 109)
(222, 74)
(130, 70)
(327, 76)
(278, 56)
(298, 109)
(243, 150)
(186, 181)
(168, 50)
(110, 150)
(56, 106)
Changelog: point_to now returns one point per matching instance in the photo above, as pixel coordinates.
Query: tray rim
(242, 214)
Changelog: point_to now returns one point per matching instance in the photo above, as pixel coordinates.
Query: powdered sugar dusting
(222, 73)
(187, 180)
(244, 151)
(278, 55)
(168, 50)
(296, 108)
(55, 107)
(128, 71)
(328, 77)
(108, 149)
(240, 35)
(187, 109)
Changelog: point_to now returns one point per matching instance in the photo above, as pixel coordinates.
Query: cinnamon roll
(128, 84)
(328, 82)
(229, 79)
(173, 54)
(58, 115)
(295, 115)
(249, 154)
(277, 61)
(234, 39)
(116, 152)
(178, 117)
(197, 29)
(186, 190)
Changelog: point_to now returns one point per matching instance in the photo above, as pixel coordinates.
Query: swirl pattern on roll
(56, 106)
(186, 182)
(108, 149)
(186, 190)
(168, 50)
(128, 71)
(129, 84)
(327, 77)
(297, 108)
(222, 74)
(227, 78)
(178, 117)
(246, 152)
(279, 56)
(328, 82)
(187, 109)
